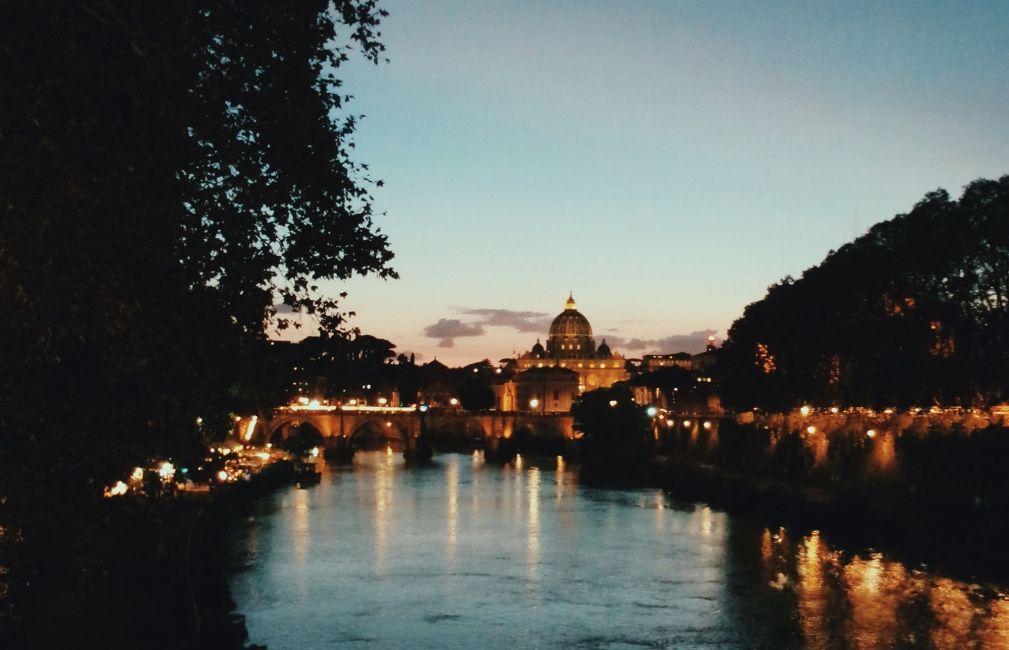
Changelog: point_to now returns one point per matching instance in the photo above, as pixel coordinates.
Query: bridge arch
(378, 433)
(539, 436)
(285, 424)
(298, 437)
(456, 431)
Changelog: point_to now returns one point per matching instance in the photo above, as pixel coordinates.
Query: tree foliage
(170, 174)
(916, 311)
(609, 419)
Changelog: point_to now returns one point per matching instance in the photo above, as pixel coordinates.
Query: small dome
(538, 349)
(603, 350)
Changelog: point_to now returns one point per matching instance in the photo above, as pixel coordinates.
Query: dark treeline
(914, 312)
(176, 178)
(366, 368)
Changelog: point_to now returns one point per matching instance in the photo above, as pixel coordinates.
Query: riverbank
(220, 625)
(142, 573)
(965, 541)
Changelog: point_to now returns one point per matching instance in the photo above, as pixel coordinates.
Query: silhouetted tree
(913, 312)
(609, 419)
(170, 173)
(475, 394)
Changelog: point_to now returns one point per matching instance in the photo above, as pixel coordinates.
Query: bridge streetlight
(652, 411)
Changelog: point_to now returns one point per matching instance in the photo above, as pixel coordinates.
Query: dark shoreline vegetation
(913, 313)
(177, 181)
(162, 582)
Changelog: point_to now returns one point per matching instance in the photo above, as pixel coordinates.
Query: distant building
(570, 345)
(706, 359)
(652, 362)
(549, 378)
(548, 390)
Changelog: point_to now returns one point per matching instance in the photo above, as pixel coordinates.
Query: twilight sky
(666, 161)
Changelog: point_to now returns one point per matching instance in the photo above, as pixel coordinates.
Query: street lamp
(533, 403)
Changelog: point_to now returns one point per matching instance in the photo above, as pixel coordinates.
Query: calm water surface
(470, 555)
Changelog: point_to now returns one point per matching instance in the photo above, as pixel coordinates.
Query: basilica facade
(570, 345)
(552, 376)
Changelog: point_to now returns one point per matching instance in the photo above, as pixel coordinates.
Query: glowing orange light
(251, 427)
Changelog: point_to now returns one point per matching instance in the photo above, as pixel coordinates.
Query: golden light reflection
(868, 601)
(873, 618)
(766, 548)
(993, 628)
(559, 479)
(533, 524)
(706, 521)
(301, 533)
(474, 487)
(813, 592)
(383, 506)
(452, 518)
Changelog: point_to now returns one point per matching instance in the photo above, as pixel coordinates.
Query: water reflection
(383, 556)
(452, 514)
(533, 524)
(301, 533)
(383, 504)
(865, 600)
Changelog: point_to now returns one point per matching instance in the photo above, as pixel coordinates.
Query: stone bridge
(502, 432)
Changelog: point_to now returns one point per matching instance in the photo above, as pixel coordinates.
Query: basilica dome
(570, 333)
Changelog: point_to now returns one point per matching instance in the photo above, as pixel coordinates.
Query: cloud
(449, 329)
(521, 321)
(694, 342)
(473, 322)
(476, 320)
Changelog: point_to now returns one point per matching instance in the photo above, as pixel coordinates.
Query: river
(466, 554)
